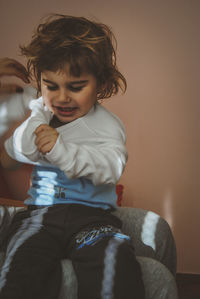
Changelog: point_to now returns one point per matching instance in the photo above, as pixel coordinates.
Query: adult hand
(11, 67)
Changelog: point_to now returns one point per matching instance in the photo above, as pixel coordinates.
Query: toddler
(78, 151)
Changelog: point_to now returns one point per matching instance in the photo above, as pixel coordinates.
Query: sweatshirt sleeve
(14, 107)
(102, 164)
(21, 145)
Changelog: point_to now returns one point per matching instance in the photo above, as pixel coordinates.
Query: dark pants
(103, 258)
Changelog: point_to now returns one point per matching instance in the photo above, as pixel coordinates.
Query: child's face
(66, 96)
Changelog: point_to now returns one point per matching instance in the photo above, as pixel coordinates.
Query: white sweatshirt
(91, 147)
(14, 107)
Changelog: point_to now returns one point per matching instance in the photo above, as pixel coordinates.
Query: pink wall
(158, 52)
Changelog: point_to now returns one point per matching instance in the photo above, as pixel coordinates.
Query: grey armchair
(154, 246)
(155, 250)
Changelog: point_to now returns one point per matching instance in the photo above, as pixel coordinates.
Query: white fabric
(92, 146)
(14, 107)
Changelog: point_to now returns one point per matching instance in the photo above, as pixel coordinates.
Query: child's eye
(52, 88)
(75, 88)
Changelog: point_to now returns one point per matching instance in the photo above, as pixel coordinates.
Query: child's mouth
(65, 111)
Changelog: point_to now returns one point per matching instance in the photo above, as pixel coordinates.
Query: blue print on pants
(92, 235)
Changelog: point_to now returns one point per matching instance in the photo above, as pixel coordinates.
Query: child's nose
(64, 96)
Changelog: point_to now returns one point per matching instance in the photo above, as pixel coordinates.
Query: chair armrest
(151, 235)
(8, 208)
(11, 202)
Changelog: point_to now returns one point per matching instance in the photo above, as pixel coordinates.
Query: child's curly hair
(85, 45)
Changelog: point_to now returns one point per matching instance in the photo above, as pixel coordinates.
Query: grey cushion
(154, 246)
(151, 235)
(159, 283)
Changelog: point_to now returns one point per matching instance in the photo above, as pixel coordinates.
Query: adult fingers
(10, 88)
(11, 67)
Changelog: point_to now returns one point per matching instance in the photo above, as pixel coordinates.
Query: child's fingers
(41, 128)
(45, 141)
(46, 147)
(44, 134)
(42, 144)
(39, 141)
(46, 138)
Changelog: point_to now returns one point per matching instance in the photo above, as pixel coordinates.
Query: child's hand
(46, 138)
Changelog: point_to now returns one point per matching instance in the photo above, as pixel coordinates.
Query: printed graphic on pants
(92, 235)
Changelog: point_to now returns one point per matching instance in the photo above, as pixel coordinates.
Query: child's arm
(21, 145)
(102, 163)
